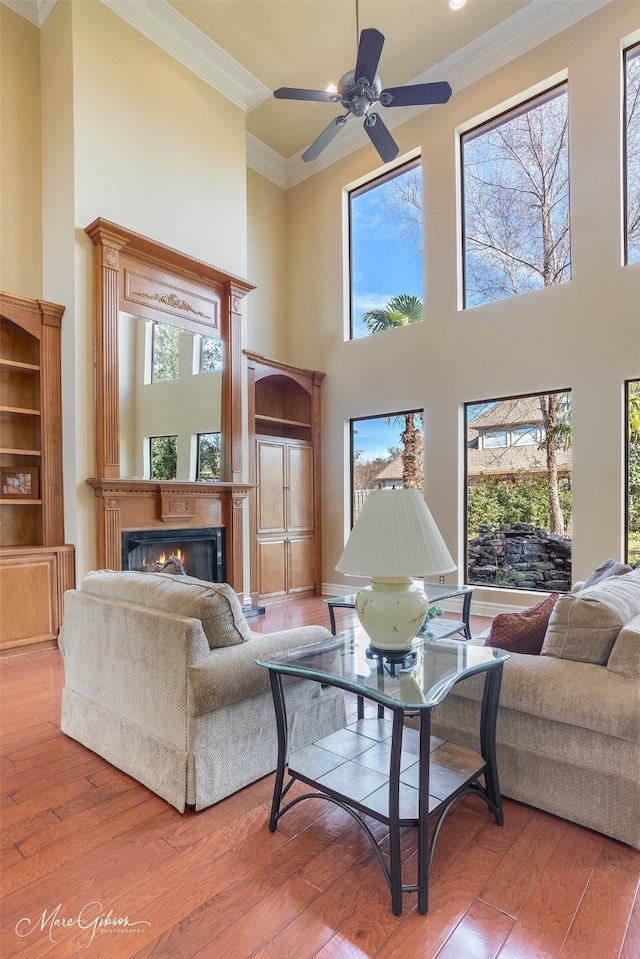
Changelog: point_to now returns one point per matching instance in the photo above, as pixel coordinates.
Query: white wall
(20, 170)
(583, 334)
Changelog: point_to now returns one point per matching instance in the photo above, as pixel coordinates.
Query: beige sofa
(161, 680)
(568, 728)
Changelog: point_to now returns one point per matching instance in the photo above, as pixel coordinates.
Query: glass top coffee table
(436, 593)
(380, 767)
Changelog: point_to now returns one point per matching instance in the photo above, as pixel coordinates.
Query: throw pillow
(522, 632)
(584, 626)
(214, 604)
(604, 570)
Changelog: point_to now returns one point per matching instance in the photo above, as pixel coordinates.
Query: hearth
(201, 552)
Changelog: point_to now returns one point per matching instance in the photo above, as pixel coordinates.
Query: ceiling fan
(358, 91)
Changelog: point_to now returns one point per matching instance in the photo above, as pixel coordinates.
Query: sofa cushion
(584, 626)
(625, 655)
(522, 632)
(214, 604)
(604, 571)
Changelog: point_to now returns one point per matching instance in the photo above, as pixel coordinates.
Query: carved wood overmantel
(136, 275)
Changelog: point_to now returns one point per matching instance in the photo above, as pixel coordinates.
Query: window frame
(154, 334)
(199, 453)
(376, 416)
(367, 187)
(162, 436)
(465, 478)
(478, 129)
(634, 50)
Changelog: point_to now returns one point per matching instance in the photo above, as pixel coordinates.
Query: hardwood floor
(84, 846)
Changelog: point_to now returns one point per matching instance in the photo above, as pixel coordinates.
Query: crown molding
(35, 11)
(161, 23)
(538, 21)
(266, 161)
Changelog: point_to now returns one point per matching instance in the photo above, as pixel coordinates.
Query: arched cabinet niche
(142, 289)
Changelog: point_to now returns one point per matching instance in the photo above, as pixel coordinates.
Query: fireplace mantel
(147, 504)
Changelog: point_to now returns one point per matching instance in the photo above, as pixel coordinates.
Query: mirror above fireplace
(170, 393)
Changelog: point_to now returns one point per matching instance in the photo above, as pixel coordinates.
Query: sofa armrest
(231, 674)
(624, 658)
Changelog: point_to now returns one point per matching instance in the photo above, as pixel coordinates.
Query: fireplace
(201, 552)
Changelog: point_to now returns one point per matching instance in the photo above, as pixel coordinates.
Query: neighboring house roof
(392, 471)
(516, 412)
(513, 459)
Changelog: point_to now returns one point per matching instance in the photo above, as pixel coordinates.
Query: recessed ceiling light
(457, 4)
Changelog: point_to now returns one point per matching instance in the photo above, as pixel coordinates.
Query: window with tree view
(632, 152)
(386, 452)
(516, 200)
(633, 472)
(518, 492)
(165, 352)
(163, 454)
(208, 457)
(385, 238)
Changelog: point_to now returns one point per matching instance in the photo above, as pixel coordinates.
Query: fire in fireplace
(197, 552)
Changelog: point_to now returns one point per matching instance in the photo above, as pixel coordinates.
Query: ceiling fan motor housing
(358, 95)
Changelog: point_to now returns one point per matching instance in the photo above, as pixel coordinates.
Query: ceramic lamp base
(391, 611)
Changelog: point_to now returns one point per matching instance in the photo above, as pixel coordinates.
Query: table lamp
(394, 539)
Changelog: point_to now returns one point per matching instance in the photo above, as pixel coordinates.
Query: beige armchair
(161, 680)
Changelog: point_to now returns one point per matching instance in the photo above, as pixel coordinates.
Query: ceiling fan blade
(415, 94)
(369, 50)
(381, 138)
(313, 152)
(293, 93)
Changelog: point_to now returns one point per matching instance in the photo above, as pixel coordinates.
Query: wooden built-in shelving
(35, 564)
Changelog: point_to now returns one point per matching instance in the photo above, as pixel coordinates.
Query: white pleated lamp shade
(395, 535)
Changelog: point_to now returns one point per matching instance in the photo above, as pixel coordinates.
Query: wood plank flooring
(85, 848)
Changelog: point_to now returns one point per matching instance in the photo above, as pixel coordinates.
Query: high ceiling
(310, 43)
(248, 48)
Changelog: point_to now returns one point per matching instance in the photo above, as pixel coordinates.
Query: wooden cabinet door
(271, 476)
(300, 557)
(272, 563)
(285, 534)
(299, 488)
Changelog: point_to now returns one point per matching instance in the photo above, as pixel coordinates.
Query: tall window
(208, 470)
(518, 492)
(633, 472)
(516, 200)
(632, 152)
(385, 224)
(386, 452)
(163, 455)
(165, 352)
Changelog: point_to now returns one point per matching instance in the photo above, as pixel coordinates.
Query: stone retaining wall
(520, 555)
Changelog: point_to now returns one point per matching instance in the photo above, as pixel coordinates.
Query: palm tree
(400, 311)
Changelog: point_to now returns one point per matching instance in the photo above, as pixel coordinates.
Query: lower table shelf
(355, 762)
